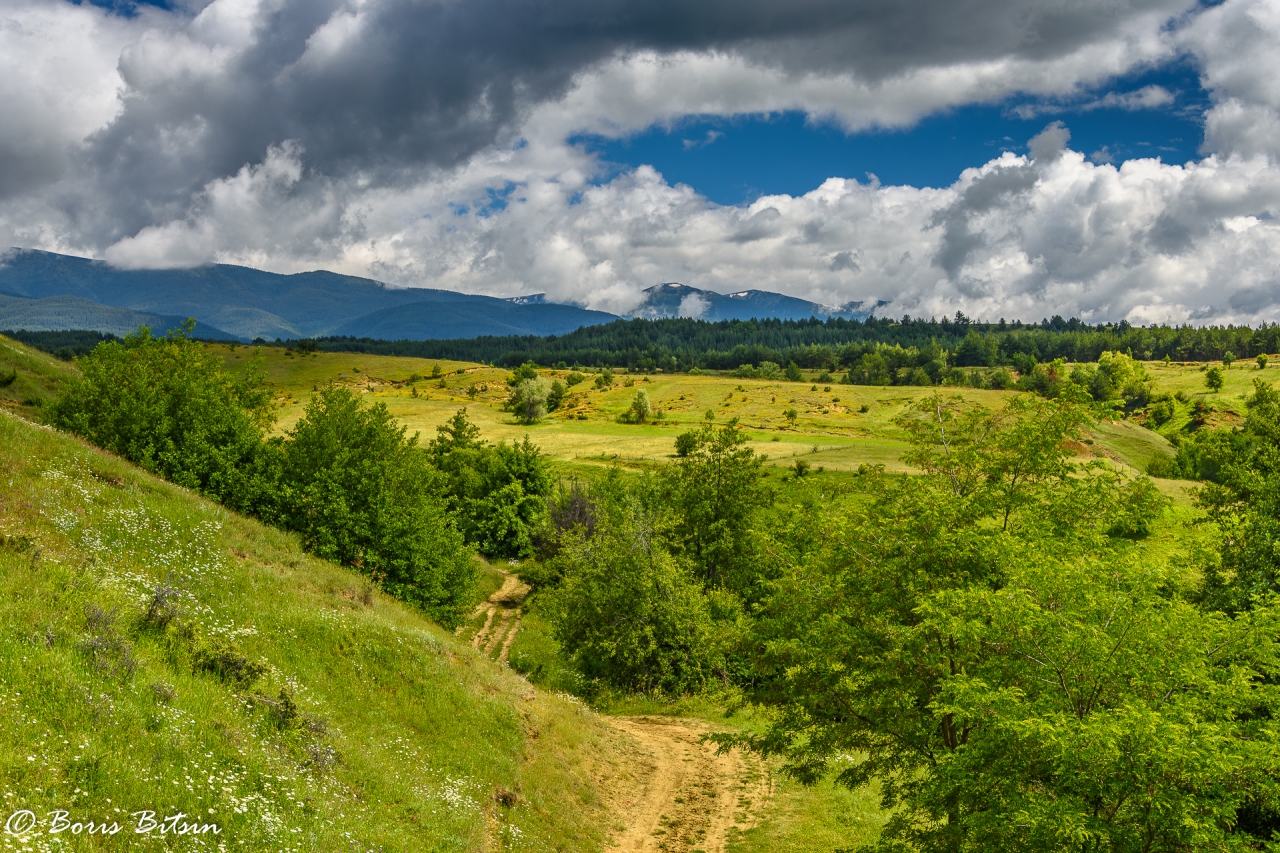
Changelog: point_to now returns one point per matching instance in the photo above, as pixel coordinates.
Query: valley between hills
(365, 725)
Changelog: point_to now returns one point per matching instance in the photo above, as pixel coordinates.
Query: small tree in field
(712, 490)
(556, 395)
(529, 400)
(1213, 379)
(791, 415)
(1228, 359)
(640, 408)
(1262, 361)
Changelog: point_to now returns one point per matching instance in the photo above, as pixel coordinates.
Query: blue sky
(735, 160)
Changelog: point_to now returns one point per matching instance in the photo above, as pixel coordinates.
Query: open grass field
(1188, 377)
(838, 427)
(29, 379)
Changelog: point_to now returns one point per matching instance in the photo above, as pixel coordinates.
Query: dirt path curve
(501, 611)
(682, 796)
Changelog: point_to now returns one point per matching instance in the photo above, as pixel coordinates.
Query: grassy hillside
(160, 653)
(29, 379)
(1188, 377)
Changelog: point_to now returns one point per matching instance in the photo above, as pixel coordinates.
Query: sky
(1106, 159)
(736, 159)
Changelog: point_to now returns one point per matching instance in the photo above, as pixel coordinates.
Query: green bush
(496, 494)
(1161, 411)
(166, 405)
(221, 658)
(1000, 379)
(364, 495)
(528, 370)
(630, 615)
(1163, 466)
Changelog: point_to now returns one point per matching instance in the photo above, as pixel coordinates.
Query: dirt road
(680, 796)
(676, 794)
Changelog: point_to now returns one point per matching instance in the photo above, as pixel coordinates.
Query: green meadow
(838, 427)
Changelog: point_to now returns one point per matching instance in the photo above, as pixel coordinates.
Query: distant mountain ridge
(58, 313)
(673, 299)
(249, 303)
(54, 290)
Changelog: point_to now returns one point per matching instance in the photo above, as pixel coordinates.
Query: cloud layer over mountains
(424, 142)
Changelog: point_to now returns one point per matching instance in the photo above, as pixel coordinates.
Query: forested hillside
(681, 344)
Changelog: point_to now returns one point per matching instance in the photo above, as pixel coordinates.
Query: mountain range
(44, 291)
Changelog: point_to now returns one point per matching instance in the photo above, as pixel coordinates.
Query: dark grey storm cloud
(427, 83)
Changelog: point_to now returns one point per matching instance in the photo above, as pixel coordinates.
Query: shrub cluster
(645, 580)
(346, 478)
(495, 494)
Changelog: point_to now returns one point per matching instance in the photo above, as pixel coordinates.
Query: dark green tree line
(681, 344)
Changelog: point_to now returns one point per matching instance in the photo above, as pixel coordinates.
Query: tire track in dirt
(682, 796)
(496, 635)
(502, 612)
(511, 637)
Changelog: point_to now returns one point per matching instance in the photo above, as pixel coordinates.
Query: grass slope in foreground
(267, 692)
